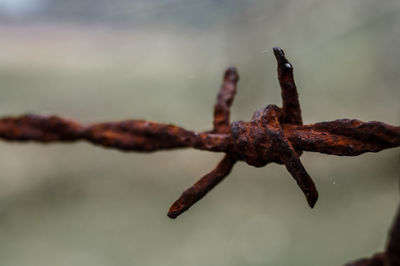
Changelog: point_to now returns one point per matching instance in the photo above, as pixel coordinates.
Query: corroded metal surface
(274, 134)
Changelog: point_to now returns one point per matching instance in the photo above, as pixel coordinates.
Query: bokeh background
(162, 60)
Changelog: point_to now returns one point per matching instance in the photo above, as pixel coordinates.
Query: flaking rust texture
(274, 135)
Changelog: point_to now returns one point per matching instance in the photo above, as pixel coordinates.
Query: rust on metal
(274, 135)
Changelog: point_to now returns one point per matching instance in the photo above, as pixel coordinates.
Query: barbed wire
(274, 134)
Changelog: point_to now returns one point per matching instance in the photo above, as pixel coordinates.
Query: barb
(273, 135)
(224, 101)
(201, 188)
(290, 99)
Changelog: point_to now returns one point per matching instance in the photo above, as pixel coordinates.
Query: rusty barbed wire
(274, 134)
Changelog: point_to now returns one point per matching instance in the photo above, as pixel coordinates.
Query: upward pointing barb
(290, 99)
(224, 101)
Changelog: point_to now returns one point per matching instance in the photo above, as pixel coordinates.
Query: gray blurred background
(162, 60)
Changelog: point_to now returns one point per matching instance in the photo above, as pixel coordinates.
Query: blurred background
(162, 60)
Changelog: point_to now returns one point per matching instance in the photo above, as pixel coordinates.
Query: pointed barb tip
(178, 207)
(279, 53)
(312, 198)
(231, 74)
(281, 58)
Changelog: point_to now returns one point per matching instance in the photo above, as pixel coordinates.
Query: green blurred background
(162, 60)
